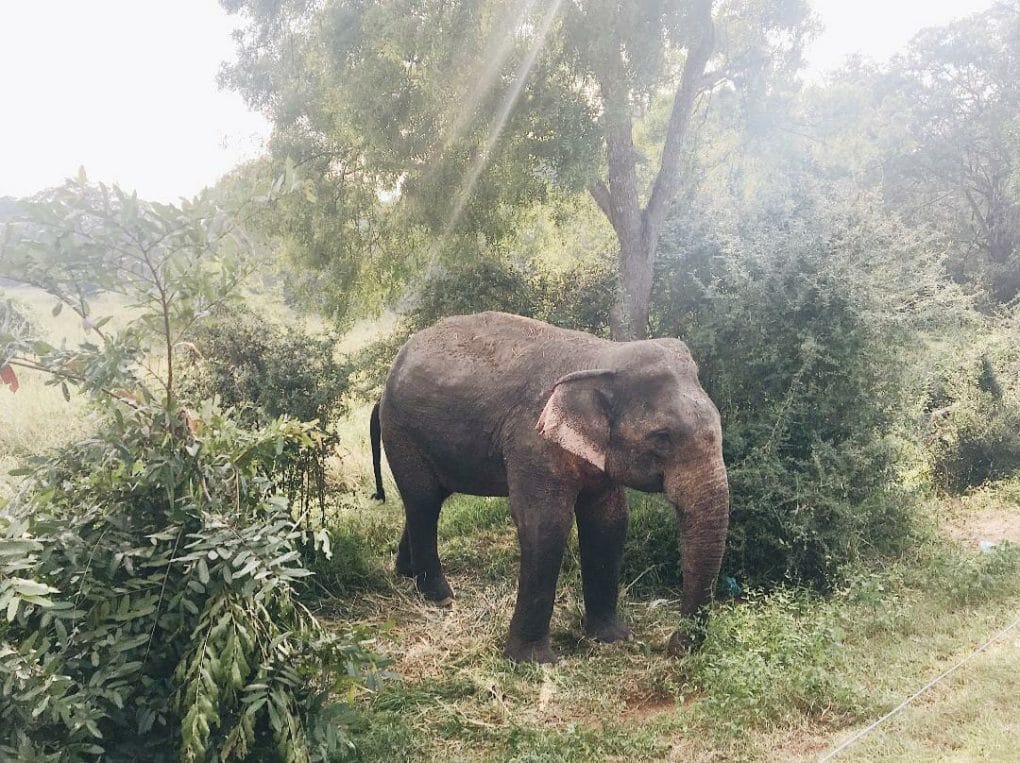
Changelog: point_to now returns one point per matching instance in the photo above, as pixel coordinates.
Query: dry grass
(38, 417)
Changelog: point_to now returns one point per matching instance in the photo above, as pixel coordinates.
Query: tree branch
(600, 193)
(667, 180)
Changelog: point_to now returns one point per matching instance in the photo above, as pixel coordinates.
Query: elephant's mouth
(652, 484)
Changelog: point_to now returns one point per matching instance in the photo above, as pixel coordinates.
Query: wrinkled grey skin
(461, 413)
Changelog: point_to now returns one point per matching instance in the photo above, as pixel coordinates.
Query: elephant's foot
(607, 631)
(403, 568)
(529, 651)
(683, 642)
(435, 589)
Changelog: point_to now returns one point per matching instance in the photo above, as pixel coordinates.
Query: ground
(789, 676)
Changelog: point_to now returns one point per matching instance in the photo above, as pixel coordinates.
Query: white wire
(851, 740)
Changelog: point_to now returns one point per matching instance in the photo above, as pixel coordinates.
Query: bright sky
(877, 28)
(127, 87)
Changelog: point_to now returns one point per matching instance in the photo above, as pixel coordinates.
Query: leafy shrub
(373, 363)
(479, 286)
(150, 579)
(974, 426)
(808, 374)
(149, 573)
(772, 662)
(265, 371)
(966, 579)
(578, 298)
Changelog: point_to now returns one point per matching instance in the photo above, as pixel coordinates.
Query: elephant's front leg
(543, 511)
(601, 531)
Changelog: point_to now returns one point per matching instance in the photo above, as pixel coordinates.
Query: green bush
(149, 580)
(799, 343)
(974, 426)
(578, 298)
(476, 287)
(264, 371)
(773, 662)
(149, 574)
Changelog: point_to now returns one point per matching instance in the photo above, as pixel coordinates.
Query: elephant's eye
(660, 438)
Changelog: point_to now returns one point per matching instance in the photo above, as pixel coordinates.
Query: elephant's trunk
(702, 499)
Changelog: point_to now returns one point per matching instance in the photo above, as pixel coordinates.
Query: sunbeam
(497, 49)
(499, 122)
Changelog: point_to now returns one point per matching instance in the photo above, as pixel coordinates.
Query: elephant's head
(643, 418)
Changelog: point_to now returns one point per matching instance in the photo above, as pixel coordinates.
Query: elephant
(560, 421)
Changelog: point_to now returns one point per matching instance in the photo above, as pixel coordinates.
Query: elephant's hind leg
(423, 496)
(601, 530)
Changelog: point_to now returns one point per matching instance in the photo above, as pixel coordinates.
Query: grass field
(782, 676)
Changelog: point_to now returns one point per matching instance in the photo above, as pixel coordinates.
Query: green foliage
(801, 346)
(579, 297)
(651, 557)
(966, 579)
(486, 285)
(265, 371)
(373, 363)
(152, 579)
(974, 423)
(771, 660)
(148, 574)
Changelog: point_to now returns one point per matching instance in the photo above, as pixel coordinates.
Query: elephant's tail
(375, 435)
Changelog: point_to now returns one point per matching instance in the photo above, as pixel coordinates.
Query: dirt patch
(987, 526)
(641, 710)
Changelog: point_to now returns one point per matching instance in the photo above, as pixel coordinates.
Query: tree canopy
(458, 116)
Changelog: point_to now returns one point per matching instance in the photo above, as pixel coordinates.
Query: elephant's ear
(575, 416)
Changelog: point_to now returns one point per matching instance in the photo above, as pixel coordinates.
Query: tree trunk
(637, 229)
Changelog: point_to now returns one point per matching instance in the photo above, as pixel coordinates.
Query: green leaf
(27, 587)
(203, 572)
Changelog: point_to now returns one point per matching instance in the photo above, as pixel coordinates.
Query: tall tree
(956, 94)
(466, 111)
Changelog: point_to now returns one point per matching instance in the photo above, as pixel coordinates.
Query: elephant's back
(486, 355)
(495, 340)
(456, 383)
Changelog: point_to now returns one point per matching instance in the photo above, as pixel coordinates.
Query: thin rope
(846, 743)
